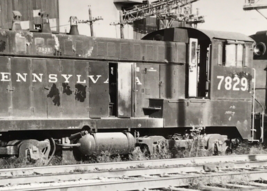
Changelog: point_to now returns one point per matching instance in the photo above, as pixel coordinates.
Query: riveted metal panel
(125, 51)
(69, 49)
(54, 88)
(38, 85)
(147, 85)
(235, 113)
(137, 52)
(81, 94)
(150, 52)
(231, 82)
(67, 101)
(185, 113)
(172, 81)
(21, 87)
(180, 53)
(161, 53)
(151, 84)
(79, 48)
(102, 49)
(5, 83)
(112, 52)
(98, 89)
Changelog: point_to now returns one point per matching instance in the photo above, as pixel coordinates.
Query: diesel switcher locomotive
(69, 92)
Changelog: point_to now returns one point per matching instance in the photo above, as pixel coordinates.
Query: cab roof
(226, 35)
(182, 34)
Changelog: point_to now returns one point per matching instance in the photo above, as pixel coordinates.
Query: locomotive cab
(218, 82)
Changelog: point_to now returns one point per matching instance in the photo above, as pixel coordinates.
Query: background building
(107, 9)
(219, 15)
(29, 10)
(60, 11)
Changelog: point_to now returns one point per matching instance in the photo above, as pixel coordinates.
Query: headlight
(259, 49)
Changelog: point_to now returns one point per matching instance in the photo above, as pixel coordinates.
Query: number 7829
(235, 84)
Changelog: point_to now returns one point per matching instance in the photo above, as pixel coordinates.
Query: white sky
(226, 15)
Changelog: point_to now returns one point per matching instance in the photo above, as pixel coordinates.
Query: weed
(137, 155)
(106, 156)
(248, 148)
(14, 162)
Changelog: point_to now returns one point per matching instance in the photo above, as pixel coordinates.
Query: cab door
(192, 68)
(124, 90)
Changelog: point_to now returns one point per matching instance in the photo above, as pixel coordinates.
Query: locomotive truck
(82, 95)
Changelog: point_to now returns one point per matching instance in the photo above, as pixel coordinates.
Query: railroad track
(203, 173)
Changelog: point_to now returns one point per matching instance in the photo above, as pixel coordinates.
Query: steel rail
(130, 164)
(125, 173)
(145, 183)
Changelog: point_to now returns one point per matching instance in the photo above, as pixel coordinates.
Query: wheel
(217, 145)
(34, 151)
(220, 148)
(145, 150)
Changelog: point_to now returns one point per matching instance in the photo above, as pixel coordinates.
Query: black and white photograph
(133, 95)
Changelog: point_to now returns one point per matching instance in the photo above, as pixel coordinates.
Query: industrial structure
(255, 5)
(122, 18)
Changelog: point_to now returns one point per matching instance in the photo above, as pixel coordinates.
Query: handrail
(253, 111)
(253, 106)
(262, 120)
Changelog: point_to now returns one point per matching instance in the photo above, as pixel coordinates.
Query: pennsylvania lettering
(52, 78)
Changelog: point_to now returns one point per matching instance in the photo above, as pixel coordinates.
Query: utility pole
(91, 20)
(121, 25)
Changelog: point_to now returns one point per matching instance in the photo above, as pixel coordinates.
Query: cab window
(240, 49)
(220, 54)
(248, 55)
(233, 54)
(230, 56)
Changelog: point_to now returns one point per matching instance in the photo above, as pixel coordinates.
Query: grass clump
(14, 162)
(249, 148)
(137, 155)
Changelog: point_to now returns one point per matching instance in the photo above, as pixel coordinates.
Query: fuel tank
(114, 143)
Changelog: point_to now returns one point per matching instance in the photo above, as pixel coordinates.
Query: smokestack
(74, 26)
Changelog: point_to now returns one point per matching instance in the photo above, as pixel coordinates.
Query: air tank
(114, 143)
